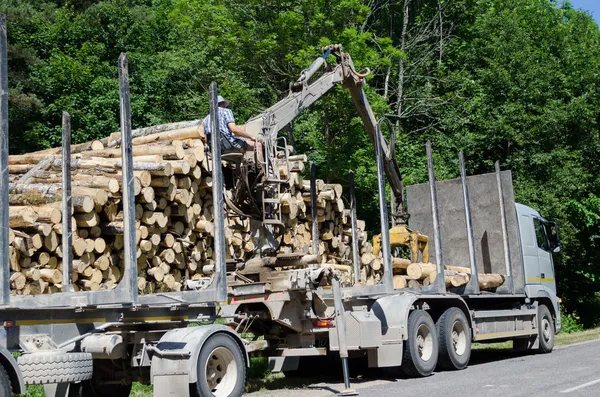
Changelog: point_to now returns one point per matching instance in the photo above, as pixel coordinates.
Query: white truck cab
(539, 240)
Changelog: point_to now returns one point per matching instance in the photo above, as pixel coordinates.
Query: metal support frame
(387, 284)
(507, 261)
(313, 208)
(397, 200)
(472, 286)
(388, 280)
(4, 223)
(130, 274)
(439, 283)
(217, 196)
(355, 249)
(67, 206)
(340, 325)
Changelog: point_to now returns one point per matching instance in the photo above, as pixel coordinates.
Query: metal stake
(313, 209)
(507, 261)
(67, 206)
(473, 285)
(441, 285)
(355, 253)
(388, 279)
(4, 223)
(219, 215)
(130, 273)
(340, 325)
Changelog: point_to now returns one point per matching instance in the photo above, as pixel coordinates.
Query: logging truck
(111, 250)
(492, 277)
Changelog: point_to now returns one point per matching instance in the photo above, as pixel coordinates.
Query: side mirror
(557, 249)
(553, 237)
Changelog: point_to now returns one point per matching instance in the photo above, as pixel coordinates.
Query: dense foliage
(508, 80)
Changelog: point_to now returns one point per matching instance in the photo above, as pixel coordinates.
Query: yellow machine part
(403, 236)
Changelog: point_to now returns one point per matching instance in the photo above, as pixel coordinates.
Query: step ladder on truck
(96, 343)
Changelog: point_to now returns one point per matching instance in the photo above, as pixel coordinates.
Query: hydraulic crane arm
(303, 94)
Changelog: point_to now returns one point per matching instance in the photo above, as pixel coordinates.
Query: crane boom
(302, 95)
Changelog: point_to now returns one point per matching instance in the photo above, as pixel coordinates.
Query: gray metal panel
(4, 213)
(487, 229)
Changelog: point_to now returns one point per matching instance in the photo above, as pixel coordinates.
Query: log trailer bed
(96, 343)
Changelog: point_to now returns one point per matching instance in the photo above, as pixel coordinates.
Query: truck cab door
(529, 246)
(544, 254)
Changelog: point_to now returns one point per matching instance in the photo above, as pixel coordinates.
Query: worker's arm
(239, 131)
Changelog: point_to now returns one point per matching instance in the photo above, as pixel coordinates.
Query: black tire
(455, 339)
(420, 355)
(546, 329)
(214, 348)
(55, 367)
(5, 385)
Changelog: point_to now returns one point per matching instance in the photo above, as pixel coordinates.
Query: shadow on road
(485, 356)
(315, 373)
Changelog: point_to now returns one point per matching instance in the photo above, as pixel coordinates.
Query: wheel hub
(459, 338)
(424, 342)
(221, 372)
(546, 333)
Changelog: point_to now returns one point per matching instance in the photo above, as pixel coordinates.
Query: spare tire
(55, 367)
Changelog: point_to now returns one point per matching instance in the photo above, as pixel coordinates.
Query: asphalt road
(570, 371)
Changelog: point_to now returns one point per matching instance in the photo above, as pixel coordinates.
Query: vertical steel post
(67, 206)
(4, 224)
(340, 326)
(388, 280)
(355, 249)
(473, 285)
(507, 261)
(219, 215)
(313, 208)
(130, 259)
(441, 285)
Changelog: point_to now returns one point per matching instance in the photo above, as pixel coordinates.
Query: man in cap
(230, 131)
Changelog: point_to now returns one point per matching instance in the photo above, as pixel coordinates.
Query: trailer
(96, 343)
(475, 223)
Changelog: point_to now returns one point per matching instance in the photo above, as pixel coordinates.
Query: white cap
(220, 100)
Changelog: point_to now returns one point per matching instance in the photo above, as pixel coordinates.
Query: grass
(260, 378)
(561, 339)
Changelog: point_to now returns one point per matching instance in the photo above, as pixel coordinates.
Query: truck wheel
(55, 367)
(5, 385)
(455, 339)
(221, 368)
(421, 349)
(545, 329)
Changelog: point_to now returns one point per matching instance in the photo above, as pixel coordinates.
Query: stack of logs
(174, 218)
(415, 275)
(173, 211)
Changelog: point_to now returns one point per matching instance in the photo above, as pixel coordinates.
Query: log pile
(174, 219)
(415, 275)
(173, 212)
